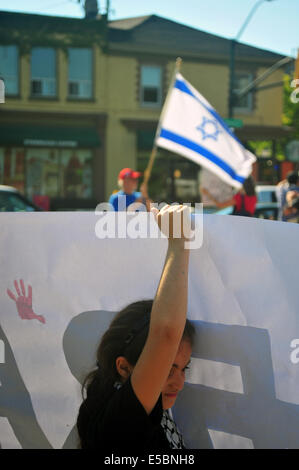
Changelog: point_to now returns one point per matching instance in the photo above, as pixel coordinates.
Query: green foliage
(290, 118)
(27, 31)
(260, 147)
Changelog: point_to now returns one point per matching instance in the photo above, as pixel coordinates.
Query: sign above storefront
(234, 122)
(50, 143)
(47, 136)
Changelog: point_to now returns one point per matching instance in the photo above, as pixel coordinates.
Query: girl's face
(176, 378)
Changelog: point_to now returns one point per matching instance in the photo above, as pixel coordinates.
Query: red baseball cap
(128, 173)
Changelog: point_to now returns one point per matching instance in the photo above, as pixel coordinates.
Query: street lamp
(232, 56)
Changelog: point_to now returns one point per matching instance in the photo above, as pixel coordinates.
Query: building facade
(53, 119)
(83, 98)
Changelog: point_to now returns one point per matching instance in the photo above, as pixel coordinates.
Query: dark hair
(126, 336)
(292, 177)
(249, 186)
(123, 328)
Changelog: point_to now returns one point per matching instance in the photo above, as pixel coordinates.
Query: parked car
(266, 193)
(263, 210)
(209, 209)
(11, 200)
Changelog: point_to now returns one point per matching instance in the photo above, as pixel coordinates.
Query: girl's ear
(123, 367)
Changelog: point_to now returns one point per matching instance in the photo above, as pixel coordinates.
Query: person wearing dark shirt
(291, 208)
(291, 183)
(128, 182)
(141, 361)
(244, 201)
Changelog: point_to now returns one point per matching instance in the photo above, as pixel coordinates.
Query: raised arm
(168, 316)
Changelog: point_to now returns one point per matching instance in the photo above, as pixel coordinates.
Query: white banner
(242, 388)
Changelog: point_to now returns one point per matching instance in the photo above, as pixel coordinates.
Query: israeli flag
(191, 127)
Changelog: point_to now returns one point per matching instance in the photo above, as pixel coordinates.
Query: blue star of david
(206, 131)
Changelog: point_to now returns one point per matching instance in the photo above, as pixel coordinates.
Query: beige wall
(270, 102)
(120, 151)
(211, 81)
(122, 103)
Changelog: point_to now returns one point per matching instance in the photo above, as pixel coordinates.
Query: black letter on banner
(255, 414)
(16, 405)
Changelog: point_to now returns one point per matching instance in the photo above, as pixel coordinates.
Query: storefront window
(42, 172)
(173, 178)
(12, 167)
(159, 183)
(77, 174)
(268, 170)
(59, 173)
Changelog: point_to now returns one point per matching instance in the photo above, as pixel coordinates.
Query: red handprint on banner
(24, 303)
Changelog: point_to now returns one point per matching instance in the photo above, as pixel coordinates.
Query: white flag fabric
(241, 390)
(191, 127)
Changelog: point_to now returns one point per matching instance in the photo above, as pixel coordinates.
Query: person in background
(142, 359)
(291, 208)
(289, 184)
(128, 194)
(244, 201)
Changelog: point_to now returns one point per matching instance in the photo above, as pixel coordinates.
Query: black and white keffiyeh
(170, 429)
(172, 433)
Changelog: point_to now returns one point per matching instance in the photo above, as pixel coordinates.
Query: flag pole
(148, 170)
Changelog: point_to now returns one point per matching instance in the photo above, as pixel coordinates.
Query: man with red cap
(127, 182)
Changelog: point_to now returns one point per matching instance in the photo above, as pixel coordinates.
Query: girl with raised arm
(142, 359)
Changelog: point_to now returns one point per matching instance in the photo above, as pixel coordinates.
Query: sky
(274, 25)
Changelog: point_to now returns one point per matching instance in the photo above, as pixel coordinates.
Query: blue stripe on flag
(182, 86)
(202, 151)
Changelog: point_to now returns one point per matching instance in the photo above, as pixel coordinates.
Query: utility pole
(91, 9)
(107, 9)
(233, 43)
